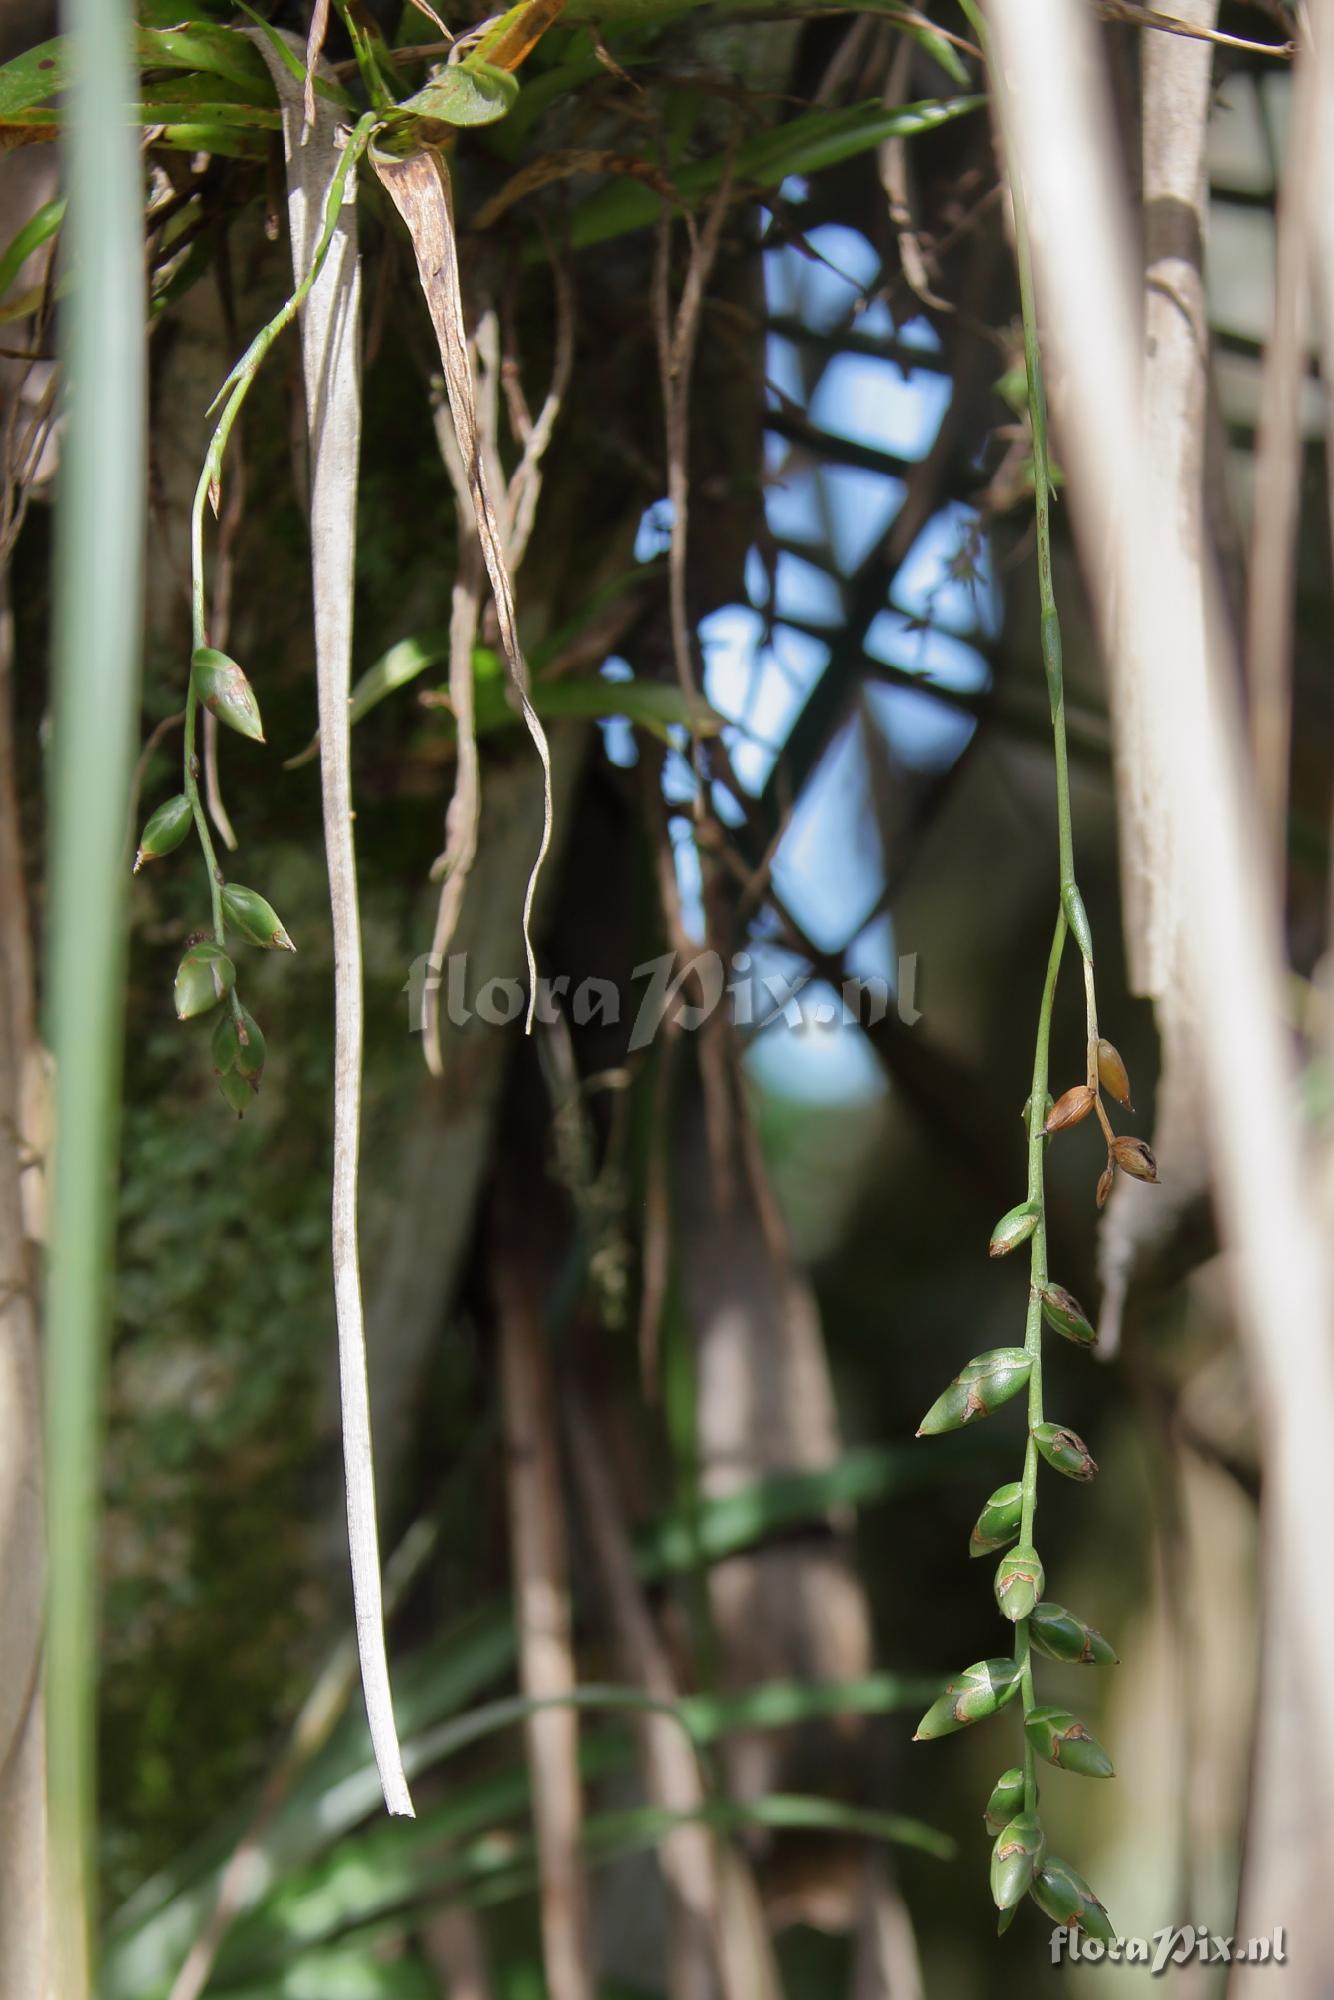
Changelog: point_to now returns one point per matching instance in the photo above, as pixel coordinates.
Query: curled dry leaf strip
(419, 189)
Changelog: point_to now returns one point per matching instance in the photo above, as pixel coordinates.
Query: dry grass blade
(319, 28)
(330, 341)
(465, 805)
(1177, 93)
(419, 190)
(1322, 285)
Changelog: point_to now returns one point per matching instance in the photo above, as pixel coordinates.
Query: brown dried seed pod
(1104, 1185)
(1069, 1108)
(1134, 1158)
(1112, 1073)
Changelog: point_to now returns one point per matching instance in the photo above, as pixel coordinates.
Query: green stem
(1050, 625)
(97, 645)
(1037, 1114)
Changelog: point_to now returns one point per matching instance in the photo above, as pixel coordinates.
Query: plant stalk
(1037, 1113)
(98, 612)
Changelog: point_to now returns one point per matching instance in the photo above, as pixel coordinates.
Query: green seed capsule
(976, 1693)
(166, 829)
(1066, 1898)
(257, 921)
(251, 1052)
(988, 1381)
(1014, 1228)
(1005, 1919)
(1007, 1799)
(1018, 1852)
(202, 978)
(998, 1523)
(1019, 1581)
(236, 1090)
(1064, 1315)
(226, 1045)
(1061, 1636)
(1068, 1744)
(224, 690)
(1065, 1451)
(230, 1052)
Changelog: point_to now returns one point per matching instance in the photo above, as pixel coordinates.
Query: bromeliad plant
(1020, 1863)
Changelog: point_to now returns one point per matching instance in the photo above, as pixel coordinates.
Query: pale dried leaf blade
(319, 28)
(330, 340)
(419, 190)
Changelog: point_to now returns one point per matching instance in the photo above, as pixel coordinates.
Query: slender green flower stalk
(1019, 1864)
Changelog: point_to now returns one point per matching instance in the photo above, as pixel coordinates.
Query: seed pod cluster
(1107, 1072)
(1020, 1865)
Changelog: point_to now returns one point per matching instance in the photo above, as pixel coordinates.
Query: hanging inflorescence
(1020, 1862)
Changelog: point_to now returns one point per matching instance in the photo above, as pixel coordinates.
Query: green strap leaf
(803, 145)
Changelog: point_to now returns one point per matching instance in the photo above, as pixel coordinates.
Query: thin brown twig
(1135, 16)
(676, 337)
(894, 179)
(525, 484)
